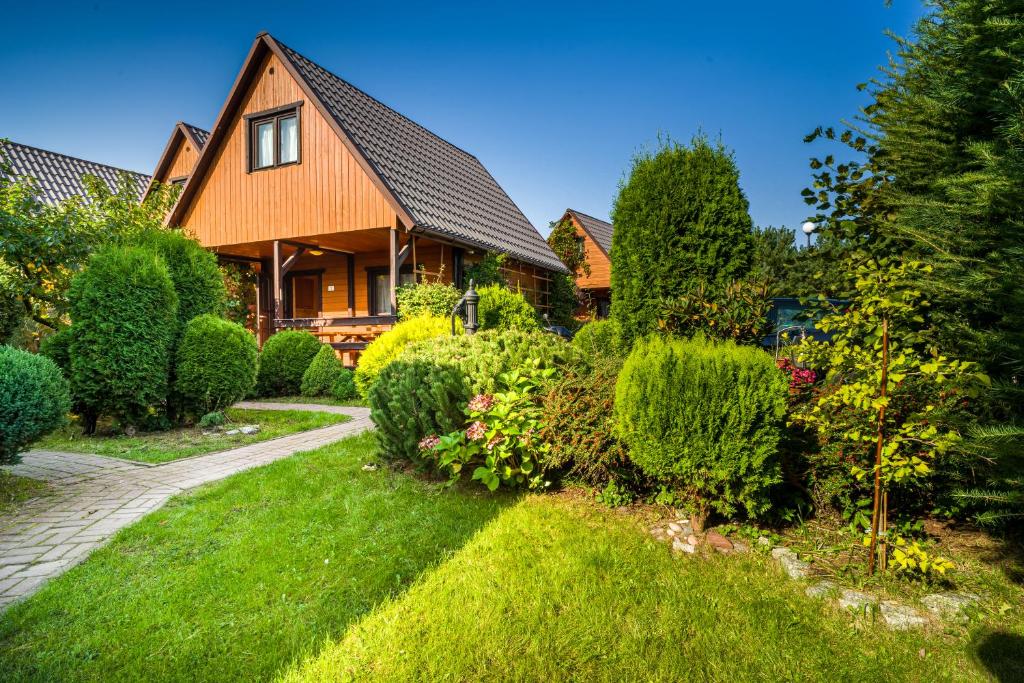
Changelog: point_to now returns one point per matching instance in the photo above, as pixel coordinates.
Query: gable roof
(197, 136)
(435, 187)
(600, 231)
(59, 176)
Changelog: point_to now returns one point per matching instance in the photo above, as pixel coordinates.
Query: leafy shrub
(344, 388)
(283, 362)
(736, 311)
(57, 347)
(599, 338)
(580, 427)
(502, 438)
(211, 420)
(12, 311)
(322, 373)
(123, 306)
(34, 400)
(502, 309)
(216, 364)
(432, 298)
(486, 271)
(197, 278)
(389, 345)
(704, 419)
(424, 390)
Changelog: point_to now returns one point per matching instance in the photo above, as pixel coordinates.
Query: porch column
(393, 272)
(351, 267)
(277, 284)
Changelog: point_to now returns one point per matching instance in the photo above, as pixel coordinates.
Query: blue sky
(554, 98)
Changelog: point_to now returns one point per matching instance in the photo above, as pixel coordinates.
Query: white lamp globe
(807, 227)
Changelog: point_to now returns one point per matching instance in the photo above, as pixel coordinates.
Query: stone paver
(95, 496)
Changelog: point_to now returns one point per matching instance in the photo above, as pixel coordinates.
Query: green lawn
(313, 569)
(155, 447)
(313, 400)
(16, 490)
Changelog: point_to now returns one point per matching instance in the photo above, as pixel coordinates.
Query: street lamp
(808, 229)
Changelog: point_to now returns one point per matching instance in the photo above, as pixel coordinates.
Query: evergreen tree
(680, 219)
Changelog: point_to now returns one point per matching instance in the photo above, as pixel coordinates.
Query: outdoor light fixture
(316, 252)
(808, 229)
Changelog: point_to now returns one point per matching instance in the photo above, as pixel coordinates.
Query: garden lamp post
(472, 299)
(808, 229)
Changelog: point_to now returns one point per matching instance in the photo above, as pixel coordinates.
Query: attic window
(274, 137)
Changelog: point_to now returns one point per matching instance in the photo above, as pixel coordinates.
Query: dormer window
(274, 137)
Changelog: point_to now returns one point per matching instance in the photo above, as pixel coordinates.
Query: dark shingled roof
(444, 189)
(600, 230)
(199, 134)
(60, 176)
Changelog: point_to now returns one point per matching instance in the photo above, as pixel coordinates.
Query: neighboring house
(59, 176)
(180, 155)
(336, 200)
(594, 238)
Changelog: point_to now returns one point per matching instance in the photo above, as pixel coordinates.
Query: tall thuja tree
(940, 176)
(680, 219)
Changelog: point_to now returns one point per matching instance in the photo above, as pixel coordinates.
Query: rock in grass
(821, 590)
(679, 546)
(718, 542)
(949, 605)
(900, 617)
(856, 600)
(249, 429)
(793, 565)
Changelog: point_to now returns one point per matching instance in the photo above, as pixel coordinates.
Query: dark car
(791, 320)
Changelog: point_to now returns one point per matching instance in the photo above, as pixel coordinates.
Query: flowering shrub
(502, 438)
(799, 378)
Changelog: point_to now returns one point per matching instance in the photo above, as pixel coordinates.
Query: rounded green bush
(322, 373)
(283, 362)
(344, 388)
(197, 278)
(57, 347)
(123, 308)
(705, 419)
(430, 298)
(502, 309)
(600, 337)
(216, 365)
(12, 310)
(34, 400)
(389, 345)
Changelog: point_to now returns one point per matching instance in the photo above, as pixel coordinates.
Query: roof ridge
(589, 216)
(68, 156)
(375, 99)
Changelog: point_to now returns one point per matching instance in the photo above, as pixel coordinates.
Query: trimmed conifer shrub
(704, 419)
(389, 345)
(322, 374)
(197, 278)
(124, 310)
(344, 388)
(502, 309)
(600, 337)
(429, 298)
(57, 347)
(216, 365)
(34, 400)
(680, 219)
(283, 362)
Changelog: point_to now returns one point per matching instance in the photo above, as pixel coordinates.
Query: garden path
(94, 496)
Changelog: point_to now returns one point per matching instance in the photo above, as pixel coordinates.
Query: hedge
(389, 345)
(283, 362)
(216, 365)
(34, 400)
(502, 309)
(322, 374)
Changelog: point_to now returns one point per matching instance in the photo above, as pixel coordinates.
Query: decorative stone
(856, 600)
(821, 590)
(249, 429)
(793, 565)
(740, 547)
(900, 617)
(718, 541)
(950, 605)
(764, 541)
(679, 546)
(370, 467)
(693, 540)
(675, 528)
(232, 432)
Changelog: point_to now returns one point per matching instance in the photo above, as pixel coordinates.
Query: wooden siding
(183, 160)
(327, 192)
(600, 266)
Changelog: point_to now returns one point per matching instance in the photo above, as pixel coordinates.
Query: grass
(313, 569)
(173, 444)
(314, 400)
(16, 490)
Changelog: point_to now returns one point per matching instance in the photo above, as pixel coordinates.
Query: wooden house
(180, 155)
(594, 240)
(337, 200)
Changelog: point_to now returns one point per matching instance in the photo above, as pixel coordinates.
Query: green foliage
(790, 271)
(212, 420)
(737, 311)
(579, 425)
(564, 242)
(124, 309)
(34, 400)
(487, 271)
(197, 279)
(680, 218)
(564, 300)
(57, 347)
(502, 309)
(599, 338)
(283, 362)
(344, 388)
(705, 419)
(216, 364)
(435, 299)
(388, 346)
(240, 286)
(502, 441)
(988, 483)
(12, 311)
(323, 373)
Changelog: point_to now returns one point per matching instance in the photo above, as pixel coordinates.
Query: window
(274, 138)
(379, 289)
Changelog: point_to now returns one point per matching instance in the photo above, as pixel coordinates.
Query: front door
(304, 296)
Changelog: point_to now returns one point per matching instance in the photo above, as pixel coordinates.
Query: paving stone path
(95, 496)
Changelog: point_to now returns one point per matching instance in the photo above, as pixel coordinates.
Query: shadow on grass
(1001, 654)
(242, 577)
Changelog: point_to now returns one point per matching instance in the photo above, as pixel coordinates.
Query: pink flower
(481, 403)
(428, 443)
(493, 442)
(476, 431)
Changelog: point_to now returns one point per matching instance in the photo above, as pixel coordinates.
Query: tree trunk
(876, 508)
